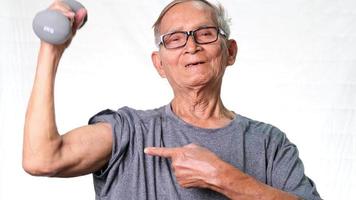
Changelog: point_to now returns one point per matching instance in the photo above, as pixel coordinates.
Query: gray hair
(221, 17)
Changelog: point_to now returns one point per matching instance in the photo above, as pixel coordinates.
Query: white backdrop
(296, 69)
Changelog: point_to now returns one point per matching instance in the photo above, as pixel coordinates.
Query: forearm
(237, 185)
(41, 137)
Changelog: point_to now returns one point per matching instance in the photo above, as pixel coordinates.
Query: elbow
(36, 168)
(41, 158)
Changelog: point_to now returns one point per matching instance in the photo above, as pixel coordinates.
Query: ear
(232, 51)
(157, 62)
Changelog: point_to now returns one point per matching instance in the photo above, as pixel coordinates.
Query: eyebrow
(179, 29)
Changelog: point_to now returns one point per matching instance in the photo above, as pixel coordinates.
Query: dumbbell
(52, 26)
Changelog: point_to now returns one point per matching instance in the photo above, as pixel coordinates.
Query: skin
(46, 152)
(196, 88)
(197, 100)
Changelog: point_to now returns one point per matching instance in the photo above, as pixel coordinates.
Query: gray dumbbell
(52, 26)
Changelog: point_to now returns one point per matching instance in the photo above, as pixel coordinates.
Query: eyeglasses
(203, 35)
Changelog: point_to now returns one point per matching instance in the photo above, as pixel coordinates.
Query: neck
(202, 107)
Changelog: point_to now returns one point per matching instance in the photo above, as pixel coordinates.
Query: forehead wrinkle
(196, 4)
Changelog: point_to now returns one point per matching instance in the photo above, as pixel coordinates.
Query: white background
(296, 69)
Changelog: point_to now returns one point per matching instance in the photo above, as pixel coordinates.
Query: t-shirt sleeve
(121, 138)
(287, 170)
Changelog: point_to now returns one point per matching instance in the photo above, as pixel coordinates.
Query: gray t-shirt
(255, 148)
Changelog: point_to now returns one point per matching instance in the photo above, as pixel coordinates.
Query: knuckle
(183, 185)
(56, 8)
(58, 5)
(181, 182)
(178, 177)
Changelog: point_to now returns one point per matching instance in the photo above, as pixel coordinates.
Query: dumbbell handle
(52, 26)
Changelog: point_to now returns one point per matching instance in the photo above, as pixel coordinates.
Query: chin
(198, 82)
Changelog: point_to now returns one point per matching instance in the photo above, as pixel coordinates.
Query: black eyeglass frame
(192, 33)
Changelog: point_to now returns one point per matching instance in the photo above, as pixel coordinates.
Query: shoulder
(262, 130)
(264, 137)
(142, 115)
(127, 114)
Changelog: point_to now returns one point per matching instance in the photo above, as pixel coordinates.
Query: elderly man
(192, 148)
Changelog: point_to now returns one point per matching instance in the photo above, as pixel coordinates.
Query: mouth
(194, 64)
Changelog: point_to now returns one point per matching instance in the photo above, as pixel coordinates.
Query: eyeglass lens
(201, 36)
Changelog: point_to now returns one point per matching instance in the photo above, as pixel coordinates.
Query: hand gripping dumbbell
(52, 26)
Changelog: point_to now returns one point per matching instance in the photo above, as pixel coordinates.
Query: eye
(206, 33)
(174, 37)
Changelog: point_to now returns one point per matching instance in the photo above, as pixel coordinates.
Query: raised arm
(45, 151)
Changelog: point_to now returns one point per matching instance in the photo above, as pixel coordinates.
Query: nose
(191, 46)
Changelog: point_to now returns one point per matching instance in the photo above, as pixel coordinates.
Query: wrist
(220, 178)
(235, 184)
(51, 50)
(48, 58)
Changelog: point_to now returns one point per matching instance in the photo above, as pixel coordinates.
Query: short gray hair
(222, 19)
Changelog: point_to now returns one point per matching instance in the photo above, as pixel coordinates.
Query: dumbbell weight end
(52, 26)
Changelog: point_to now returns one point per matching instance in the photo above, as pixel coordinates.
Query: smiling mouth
(194, 64)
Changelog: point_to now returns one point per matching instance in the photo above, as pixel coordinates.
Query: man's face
(193, 65)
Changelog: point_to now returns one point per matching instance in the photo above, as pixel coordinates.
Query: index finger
(160, 151)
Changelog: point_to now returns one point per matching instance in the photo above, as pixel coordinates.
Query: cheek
(219, 59)
(167, 63)
(224, 53)
(170, 59)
